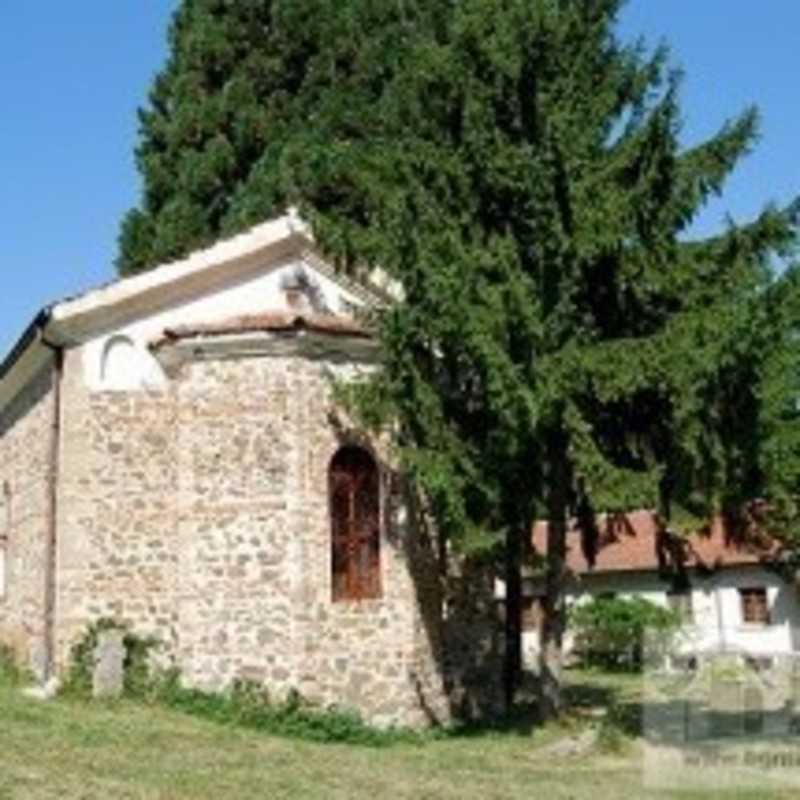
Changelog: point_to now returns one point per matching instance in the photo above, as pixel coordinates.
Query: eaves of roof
(75, 319)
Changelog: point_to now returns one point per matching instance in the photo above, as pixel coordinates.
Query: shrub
(11, 674)
(247, 704)
(609, 631)
(137, 674)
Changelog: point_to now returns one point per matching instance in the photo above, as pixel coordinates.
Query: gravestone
(727, 706)
(753, 711)
(109, 661)
(38, 661)
(794, 702)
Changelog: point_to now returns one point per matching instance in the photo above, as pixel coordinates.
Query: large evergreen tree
(559, 348)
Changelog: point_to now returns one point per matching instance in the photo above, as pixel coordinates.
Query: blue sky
(73, 74)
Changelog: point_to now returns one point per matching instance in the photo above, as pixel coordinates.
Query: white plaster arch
(125, 366)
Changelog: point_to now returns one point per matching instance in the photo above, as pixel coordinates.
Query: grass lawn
(65, 750)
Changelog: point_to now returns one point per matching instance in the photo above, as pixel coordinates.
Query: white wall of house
(717, 609)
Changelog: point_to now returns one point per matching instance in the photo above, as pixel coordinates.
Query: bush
(11, 674)
(609, 631)
(137, 675)
(248, 705)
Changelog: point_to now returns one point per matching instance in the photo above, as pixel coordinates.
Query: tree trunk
(512, 662)
(550, 653)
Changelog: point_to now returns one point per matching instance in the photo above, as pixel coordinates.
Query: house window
(680, 600)
(755, 609)
(354, 486)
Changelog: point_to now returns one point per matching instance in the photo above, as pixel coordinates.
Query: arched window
(354, 487)
(118, 369)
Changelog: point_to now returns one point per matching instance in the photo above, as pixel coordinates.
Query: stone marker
(109, 658)
(753, 711)
(727, 706)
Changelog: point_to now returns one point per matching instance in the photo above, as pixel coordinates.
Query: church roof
(76, 319)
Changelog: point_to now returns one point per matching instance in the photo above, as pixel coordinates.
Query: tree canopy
(243, 81)
(561, 347)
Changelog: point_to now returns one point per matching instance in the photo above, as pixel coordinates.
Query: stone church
(171, 456)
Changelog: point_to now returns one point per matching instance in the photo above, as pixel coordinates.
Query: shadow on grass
(588, 695)
(521, 721)
(605, 699)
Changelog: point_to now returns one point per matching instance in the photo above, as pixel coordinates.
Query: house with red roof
(728, 587)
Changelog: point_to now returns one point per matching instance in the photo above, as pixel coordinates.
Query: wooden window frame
(355, 512)
(754, 604)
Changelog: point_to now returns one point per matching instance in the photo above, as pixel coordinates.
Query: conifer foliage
(244, 79)
(560, 349)
(210, 116)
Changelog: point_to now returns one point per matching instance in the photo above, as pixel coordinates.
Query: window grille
(355, 524)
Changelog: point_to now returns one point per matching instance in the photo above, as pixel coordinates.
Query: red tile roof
(634, 541)
(269, 322)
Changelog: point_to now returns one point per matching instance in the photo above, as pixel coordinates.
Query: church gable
(271, 272)
(129, 339)
(277, 298)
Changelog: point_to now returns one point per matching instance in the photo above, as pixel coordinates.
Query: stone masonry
(180, 461)
(199, 515)
(25, 443)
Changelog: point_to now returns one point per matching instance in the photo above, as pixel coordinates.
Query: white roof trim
(266, 236)
(77, 319)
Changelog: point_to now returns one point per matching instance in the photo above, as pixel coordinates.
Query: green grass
(65, 749)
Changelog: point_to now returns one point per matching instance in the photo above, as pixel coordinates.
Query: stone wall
(238, 543)
(199, 514)
(255, 440)
(117, 516)
(25, 459)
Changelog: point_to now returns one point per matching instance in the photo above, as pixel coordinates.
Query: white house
(729, 590)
